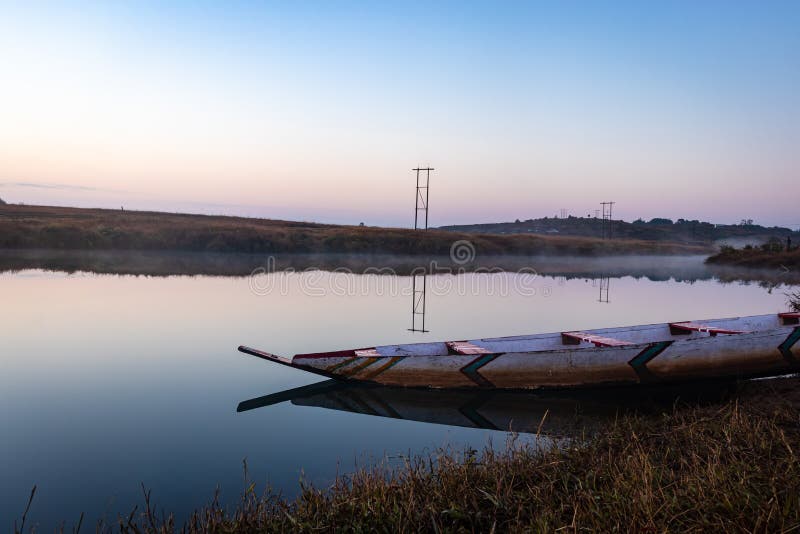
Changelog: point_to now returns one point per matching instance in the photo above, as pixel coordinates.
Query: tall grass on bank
(724, 467)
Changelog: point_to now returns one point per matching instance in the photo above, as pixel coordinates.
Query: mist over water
(237, 265)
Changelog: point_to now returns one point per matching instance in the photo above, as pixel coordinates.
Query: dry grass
(729, 467)
(24, 227)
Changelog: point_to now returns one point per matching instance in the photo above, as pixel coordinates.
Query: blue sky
(318, 110)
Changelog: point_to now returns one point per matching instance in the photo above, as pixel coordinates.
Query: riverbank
(45, 227)
(757, 258)
(169, 263)
(728, 466)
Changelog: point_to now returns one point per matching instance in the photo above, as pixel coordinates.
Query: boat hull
(509, 363)
(747, 355)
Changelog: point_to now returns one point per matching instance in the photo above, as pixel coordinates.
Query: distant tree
(2, 202)
(660, 221)
(639, 221)
(517, 221)
(361, 224)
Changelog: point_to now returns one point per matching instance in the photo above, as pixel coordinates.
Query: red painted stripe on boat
(599, 341)
(790, 318)
(334, 354)
(697, 327)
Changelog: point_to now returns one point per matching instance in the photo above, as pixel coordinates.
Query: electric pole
(422, 197)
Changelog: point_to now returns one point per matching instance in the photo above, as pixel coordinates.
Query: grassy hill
(26, 227)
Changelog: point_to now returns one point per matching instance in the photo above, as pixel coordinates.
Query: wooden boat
(760, 345)
(552, 413)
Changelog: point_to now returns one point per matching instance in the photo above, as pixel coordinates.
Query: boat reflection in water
(552, 413)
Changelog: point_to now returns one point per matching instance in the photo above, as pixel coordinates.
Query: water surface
(108, 382)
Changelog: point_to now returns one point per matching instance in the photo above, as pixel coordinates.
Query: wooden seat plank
(465, 347)
(574, 338)
(790, 317)
(689, 327)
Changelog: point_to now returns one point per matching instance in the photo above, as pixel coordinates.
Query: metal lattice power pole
(422, 197)
(606, 221)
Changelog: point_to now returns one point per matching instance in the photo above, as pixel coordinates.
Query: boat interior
(604, 337)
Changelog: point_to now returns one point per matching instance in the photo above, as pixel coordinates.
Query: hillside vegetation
(25, 227)
(659, 229)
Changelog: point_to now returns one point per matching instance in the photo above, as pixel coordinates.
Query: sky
(318, 111)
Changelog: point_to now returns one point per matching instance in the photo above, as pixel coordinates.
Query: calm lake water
(108, 382)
